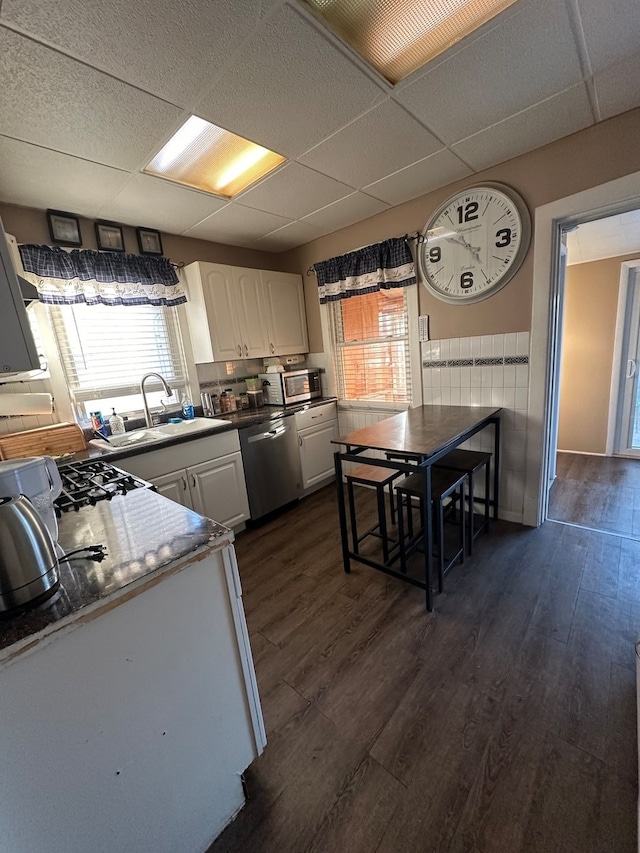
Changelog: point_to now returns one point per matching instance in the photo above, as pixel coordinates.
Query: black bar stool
(471, 462)
(444, 484)
(378, 478)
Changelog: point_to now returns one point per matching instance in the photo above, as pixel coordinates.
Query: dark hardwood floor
(505, 722)
(598, 492)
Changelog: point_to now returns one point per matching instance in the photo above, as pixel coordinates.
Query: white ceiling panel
(163, 47)
(153, 203)
(537, 126)
(609, 237)
(345, 212)
(237, 225)
(53, 101)
(294, 191)
(440, 168)
(289, 88)
(76, 186)
(288, 237)
(611, 28)
(529, 58)
(617, 87)
(373, 146)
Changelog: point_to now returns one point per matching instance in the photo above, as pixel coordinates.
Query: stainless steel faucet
(167, 391)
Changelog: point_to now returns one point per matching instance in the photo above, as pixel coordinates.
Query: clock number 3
(466, 280)
(468, 212)
(503, 237)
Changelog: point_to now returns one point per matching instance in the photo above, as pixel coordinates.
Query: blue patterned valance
(378, 267)
(100, 278)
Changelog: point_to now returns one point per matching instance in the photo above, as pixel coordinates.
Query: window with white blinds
(370, 342)
(106, 350)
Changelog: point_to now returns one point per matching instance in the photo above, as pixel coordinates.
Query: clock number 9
(467, 213)
(466, 280)
(435, 254)
(503, 237)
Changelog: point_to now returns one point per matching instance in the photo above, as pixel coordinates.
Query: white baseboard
(581, 452)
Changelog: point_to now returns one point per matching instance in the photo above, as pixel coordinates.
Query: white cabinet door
(218, 490)
(285, 314)
(316, 453)
(250, 305)
(175, 487)
(213, 317)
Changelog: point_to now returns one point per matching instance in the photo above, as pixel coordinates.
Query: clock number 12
(468, 212)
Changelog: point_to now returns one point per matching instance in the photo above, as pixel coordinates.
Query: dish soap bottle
(188, 412)
(116, 423)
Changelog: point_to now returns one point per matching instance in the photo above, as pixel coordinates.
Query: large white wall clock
(474, 243)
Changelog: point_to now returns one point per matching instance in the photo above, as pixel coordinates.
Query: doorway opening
(593, 464)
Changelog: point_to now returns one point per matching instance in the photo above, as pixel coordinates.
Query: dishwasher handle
(267, 436)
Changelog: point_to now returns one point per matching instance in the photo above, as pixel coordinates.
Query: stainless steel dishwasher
(271, 461)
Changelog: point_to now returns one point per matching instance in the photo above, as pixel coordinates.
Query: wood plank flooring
(598, 492)
(502, 723)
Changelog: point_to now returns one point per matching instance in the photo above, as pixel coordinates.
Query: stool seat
(471, 462)
(379, 478)
(444, 484)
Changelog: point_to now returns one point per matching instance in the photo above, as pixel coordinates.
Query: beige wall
(591, 302)
(30, 226)
(578, 162)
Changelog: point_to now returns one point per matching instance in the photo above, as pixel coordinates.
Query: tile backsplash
(486, 370)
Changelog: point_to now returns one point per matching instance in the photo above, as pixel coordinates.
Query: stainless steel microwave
(292, 386)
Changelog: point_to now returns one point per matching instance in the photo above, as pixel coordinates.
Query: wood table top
(421, 431)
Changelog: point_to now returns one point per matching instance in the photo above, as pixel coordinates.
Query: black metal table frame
(356, 453)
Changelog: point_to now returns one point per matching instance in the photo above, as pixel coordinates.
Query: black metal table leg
(427, 526)
(342, 514)
(496, 467)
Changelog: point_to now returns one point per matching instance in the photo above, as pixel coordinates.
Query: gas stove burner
(86, 483)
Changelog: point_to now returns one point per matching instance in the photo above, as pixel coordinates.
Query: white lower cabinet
(211, 481)
(317, 427)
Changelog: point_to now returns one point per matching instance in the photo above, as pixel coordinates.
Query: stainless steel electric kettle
(29, 569)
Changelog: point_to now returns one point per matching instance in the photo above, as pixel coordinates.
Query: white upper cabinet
(237, 313)
(285, 315)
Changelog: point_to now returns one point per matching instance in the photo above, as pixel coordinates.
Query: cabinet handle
(184, 483)
(300, 440)
(193, 480)
(273, 349)
(239, 350)
(246, 351)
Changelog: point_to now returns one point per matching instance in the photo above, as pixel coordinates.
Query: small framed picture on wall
(64, 228)
(109, 237)
(149, 241)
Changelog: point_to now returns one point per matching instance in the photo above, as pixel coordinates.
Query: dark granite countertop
(236, 420)
(145, 535)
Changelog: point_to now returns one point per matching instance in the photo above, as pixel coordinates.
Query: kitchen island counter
(129, 704)
(144, 536)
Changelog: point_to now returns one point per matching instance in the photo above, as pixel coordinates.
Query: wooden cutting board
(53, 440)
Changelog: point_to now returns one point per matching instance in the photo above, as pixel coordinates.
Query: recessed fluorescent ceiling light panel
(208, 158)
(398, 36)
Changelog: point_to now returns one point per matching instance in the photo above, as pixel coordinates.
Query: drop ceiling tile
(169, 49)
(543, 123)
(611, 30)
(153, 203)
(378, 143)
(59, 103)
(287, 237)
(37, 177)
(529, 57)
(236, 225)
(289, 87)
(294, 191)
(438, 170)
(617, 88)
(345, 212)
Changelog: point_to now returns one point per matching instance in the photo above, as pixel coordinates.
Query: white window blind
(370, 342)
(105, 350)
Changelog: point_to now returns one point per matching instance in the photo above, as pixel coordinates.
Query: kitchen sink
(162, 432)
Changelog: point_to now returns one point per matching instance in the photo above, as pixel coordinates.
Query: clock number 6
(466, 280)
(503, 237)
(467, 213)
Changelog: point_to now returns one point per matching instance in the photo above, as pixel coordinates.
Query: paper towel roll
(25, 404)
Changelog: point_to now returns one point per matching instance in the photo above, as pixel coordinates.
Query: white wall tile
(445, 396)
(476, 377)
(465, 396)
(509, 375)
(476, 347)
(455, 397)
(465, 347)
(476, 396)
(435, 350)
(497, 375)
(486, 346)
(487, 376)
(522, 375)
(444, 350)
(497, 345)
(522, 343)
(487, 394)
(510, 343)
(509, 398)
(454, 377)
(427, 379)
(522, 395)
(465, 377)
(435, 376)
(454, 348)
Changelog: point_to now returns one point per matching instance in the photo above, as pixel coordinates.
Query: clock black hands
(475, 250)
